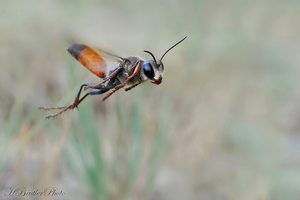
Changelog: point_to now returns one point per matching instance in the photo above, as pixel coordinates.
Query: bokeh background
(224, 124)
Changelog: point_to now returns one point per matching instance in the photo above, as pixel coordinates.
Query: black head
(153, 69)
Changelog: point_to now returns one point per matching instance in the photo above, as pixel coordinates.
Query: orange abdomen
(89, 58)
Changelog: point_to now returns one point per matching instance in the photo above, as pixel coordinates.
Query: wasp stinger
(128, 73)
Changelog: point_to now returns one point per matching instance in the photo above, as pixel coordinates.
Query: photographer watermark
(37, 192)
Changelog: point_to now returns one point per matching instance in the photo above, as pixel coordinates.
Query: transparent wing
(113, 60)
(109, 55)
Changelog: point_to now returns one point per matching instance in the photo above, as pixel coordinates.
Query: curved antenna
(172, 48)
(151, 56)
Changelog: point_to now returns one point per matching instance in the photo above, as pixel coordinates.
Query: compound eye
(148, 70)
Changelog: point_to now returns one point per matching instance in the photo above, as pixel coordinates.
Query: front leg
(132, 86)
(113, 91)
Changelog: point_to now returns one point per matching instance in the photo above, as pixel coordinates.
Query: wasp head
(153, 69)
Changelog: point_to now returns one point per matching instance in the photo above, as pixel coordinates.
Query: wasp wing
(94, 59)
(110, 55)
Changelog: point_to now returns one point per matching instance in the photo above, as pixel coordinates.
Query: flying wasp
(129, 72)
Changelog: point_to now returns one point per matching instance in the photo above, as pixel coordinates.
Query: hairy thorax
(129, 66)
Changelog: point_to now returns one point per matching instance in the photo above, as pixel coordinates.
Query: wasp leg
(136, 71)
(51, 108)
(113, 91)
(132, 86)
(76, 99)
(77, 102)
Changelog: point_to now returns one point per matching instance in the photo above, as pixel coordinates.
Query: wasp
(128, 73)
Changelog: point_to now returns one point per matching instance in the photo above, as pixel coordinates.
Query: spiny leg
(76, 99)
(92, 92)
(51, 108)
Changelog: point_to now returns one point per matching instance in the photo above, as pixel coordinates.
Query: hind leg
(76, 101)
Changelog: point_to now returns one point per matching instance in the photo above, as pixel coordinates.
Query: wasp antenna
(151, 55)
(172, 47)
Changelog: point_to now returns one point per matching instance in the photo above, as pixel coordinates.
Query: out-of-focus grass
(223, 125)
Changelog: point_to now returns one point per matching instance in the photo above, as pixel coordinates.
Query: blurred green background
(224, 124)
